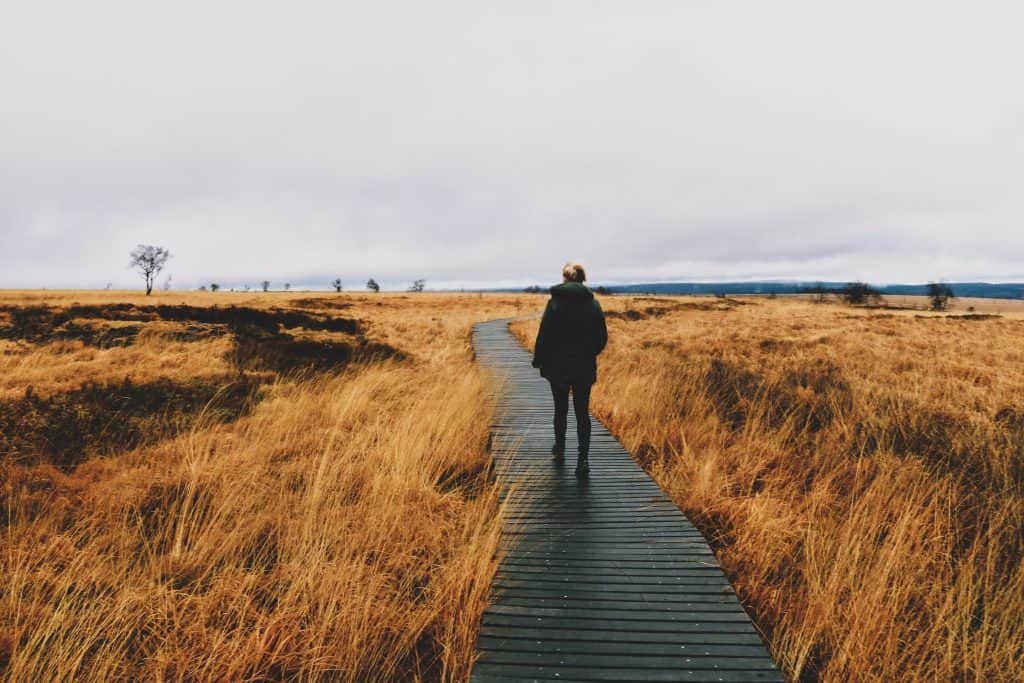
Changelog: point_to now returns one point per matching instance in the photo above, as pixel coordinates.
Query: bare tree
(418, 285)
(265, 285)
(167, 283)
(820, 293)
(940, 293)
(372, 285)
(336, 283)
(858, 293)
(149, 261)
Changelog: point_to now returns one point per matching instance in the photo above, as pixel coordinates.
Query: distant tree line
(149, 261)
(861, 294)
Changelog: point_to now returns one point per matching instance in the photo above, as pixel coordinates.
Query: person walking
(572, 334)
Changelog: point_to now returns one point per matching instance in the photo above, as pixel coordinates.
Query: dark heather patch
(95, 419)
(713, 305)
(809, 397)
(100, 336)
(947, 443)
(775, 344)
(732, 389)
(628, 314)
(965, 316)
(975, 316)
(282, 353)
(39, 324)
(322, 304)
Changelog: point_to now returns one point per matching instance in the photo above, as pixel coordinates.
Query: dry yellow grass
(860, 473)
(343, 526)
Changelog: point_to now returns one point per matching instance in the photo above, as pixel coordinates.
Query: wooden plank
(592, 611)
(485, 671)
(695, 638)
(636, 660)
(625, 565)
(598, 573)
(650, 589)
(605, 604)
(617, 647)
(606, 595)
(613, 623)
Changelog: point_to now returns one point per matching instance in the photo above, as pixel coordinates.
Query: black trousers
(581, 406)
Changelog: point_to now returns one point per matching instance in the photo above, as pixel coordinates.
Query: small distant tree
(940, 293)
(336, 283)
(214, 287)
(859, 293)
(168, 283)
(533, 289)
(372, 285)
(287, 286)
(819, 293)
(202, 288)
(265, 285)
(418, 285)
(149, 260)
(602, 290)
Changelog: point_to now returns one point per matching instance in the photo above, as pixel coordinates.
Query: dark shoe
(558, 453)
(582, 466)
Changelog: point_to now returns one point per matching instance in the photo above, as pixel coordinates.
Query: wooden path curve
(602, 580)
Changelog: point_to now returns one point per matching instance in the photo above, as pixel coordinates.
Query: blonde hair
(573, 272)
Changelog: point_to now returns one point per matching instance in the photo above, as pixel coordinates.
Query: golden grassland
(228, 486)
(859, 472)
(332, 519)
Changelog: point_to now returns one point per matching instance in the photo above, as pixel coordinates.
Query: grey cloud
(482, 143)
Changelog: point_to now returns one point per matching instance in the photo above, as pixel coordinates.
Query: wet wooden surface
(603, 579)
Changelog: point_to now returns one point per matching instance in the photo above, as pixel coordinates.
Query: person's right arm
(600, 329)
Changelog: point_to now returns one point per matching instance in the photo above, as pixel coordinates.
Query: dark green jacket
(572, 333)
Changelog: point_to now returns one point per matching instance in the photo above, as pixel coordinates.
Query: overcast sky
(489, 142)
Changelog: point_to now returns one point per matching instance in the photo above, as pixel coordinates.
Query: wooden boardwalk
(603, 580)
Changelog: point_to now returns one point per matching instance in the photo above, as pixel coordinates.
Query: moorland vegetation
(218, 486)
(260, 486)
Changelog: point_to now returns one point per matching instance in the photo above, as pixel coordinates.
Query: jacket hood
(572, 289)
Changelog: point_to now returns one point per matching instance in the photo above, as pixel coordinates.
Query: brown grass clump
(342, 526)
(860, 476)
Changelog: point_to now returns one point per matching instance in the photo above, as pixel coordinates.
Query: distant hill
(983, 290)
